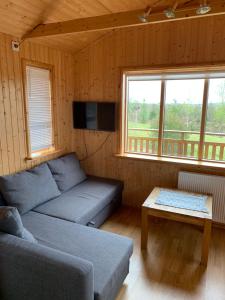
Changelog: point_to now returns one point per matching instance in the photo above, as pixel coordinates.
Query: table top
(150, 204)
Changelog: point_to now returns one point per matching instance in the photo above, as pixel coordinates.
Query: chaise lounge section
(68, 260)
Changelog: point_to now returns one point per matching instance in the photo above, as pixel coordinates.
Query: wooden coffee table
(150, 208)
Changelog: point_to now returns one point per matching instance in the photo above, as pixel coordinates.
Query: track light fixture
(144, 18)
(170, 12)
(203, 8)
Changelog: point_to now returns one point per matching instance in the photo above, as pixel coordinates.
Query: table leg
(206, 242)
(144, 229)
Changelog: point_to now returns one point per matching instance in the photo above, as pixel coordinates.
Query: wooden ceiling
(18, 17)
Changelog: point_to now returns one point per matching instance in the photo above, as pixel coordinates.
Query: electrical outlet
(15, 46)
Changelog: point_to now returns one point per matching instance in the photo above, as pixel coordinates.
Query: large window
(39, 109)
(173, 114)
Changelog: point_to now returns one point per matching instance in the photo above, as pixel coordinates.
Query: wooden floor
(170, 269)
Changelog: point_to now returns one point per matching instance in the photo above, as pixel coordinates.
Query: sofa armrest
(32, 272)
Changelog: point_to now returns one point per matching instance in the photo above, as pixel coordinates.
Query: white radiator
(206, 184)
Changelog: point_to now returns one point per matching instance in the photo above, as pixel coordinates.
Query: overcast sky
(189, 91)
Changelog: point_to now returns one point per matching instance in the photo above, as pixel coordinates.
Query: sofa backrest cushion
(10, 222)
(26, 190)
(66, 171)
(2, 202)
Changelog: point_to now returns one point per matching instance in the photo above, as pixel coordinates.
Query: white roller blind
(39, 108)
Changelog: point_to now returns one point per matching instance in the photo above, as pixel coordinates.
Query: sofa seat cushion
(29, 188)
(106, 212)
(81, 203)
(66, 171)
(109, 253)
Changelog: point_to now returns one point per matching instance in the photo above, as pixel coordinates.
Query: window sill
(43, 154)
(184, 162)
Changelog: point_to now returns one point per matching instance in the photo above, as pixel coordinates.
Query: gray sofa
(59, 205)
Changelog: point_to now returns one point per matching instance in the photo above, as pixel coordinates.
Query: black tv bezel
(97, 102)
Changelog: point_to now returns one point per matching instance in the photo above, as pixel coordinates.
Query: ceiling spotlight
(144, 18)
(170, 12)
(203, 9)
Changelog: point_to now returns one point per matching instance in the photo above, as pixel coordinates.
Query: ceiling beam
(117, 20)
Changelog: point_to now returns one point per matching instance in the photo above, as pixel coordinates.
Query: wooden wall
(97, 77)
(12, 125)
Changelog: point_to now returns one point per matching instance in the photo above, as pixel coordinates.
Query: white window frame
(164, 73)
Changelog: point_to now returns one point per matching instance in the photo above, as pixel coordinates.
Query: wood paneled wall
(12, 120)
(97, 77)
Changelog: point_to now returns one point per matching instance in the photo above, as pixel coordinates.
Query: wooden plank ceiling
(17, 17)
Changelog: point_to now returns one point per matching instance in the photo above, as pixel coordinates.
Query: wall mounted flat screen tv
(94, 115)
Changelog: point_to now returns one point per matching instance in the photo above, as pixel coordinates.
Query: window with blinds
(39, 109)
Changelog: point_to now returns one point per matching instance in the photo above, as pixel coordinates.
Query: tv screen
(94, 115)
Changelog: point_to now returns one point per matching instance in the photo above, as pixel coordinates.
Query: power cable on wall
(97, 150)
